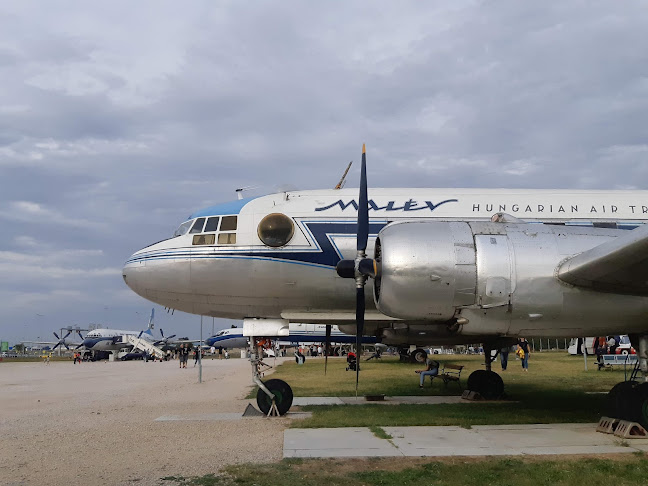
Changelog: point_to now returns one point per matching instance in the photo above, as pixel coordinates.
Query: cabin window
(212, 225)
(276, 230)
(204, 239)
(183, 228)
(228, 223)
(227, 238)
(198, 226)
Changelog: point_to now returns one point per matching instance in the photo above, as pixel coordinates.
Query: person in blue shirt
(431, 369)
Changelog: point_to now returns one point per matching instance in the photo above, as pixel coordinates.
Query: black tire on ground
(419, 355)
(619, 400)
(487, 383)
(283, 396)
(640, 405)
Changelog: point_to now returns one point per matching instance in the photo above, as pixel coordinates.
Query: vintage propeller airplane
(461, 265)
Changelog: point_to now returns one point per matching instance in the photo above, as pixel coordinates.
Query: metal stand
(274, 411)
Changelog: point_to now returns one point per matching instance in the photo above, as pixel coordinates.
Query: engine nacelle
(427, 270)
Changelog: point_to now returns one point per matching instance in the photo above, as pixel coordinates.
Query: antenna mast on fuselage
(239, 191)
(341, 183)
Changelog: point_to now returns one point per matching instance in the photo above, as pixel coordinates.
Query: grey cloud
(127, 130)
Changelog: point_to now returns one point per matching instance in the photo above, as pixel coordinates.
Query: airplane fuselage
(298, 333)
(108, 339)
(218, 265)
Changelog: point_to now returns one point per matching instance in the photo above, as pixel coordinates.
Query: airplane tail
(151, 325)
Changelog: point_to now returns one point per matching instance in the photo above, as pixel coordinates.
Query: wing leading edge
(619, 266)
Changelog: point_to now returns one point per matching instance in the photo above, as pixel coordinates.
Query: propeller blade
(161, 333)
(363, 206)
(67, 334)
(80, 345)
(57, 345)
(360, 311)
(171, 336)
(66, 346)
(140, 334)
(79, 333)
(327, 346)
(57, 337)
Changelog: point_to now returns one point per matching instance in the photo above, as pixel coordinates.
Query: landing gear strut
(486, 382)
(274, 397)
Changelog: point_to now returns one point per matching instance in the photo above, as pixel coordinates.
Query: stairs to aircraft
(144, 345)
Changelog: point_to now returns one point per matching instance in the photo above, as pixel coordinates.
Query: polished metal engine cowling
(427, 270)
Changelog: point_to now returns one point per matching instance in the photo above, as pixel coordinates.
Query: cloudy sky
(118, 119)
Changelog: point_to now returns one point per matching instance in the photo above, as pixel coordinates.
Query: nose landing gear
(281, 401)
(274, 397)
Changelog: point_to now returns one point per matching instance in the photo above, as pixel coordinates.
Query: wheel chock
(250, 411)
(630, 430)
(607, 425)
(471, 395)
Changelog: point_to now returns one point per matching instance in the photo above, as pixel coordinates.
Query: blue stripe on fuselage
(325, 254)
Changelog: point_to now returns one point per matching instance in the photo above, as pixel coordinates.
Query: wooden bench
(451, 372)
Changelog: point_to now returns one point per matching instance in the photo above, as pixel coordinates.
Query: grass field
(628, 470)
(556, 389)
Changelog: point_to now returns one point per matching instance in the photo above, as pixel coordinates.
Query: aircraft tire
(419, 355)
(641, 404)
(487, 383)
(283, 397)
(619, 400)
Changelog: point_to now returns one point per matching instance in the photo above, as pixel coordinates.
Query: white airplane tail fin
(151, 325)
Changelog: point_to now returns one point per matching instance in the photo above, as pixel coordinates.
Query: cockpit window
(228, 223)
(212, 225)
(183, 228)
(227, 239)
(198, 226)
(203, 239)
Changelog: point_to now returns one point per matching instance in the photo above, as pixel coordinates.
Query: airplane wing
(619, 266)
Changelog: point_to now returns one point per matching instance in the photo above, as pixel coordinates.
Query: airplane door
(494, 278)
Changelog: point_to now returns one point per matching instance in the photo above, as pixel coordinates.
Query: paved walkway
(482, 440)
(301, 401)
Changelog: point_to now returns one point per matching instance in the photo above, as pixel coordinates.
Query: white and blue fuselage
(298, 333)
(110, 339)
(219, 262)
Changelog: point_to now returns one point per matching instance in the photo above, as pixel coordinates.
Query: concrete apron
(480, 440)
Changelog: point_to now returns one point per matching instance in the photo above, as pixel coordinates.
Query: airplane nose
(131, 273)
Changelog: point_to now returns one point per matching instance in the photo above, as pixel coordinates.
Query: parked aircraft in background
(298, 333)
(62, 342)
(112, 339)
(455, 265)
